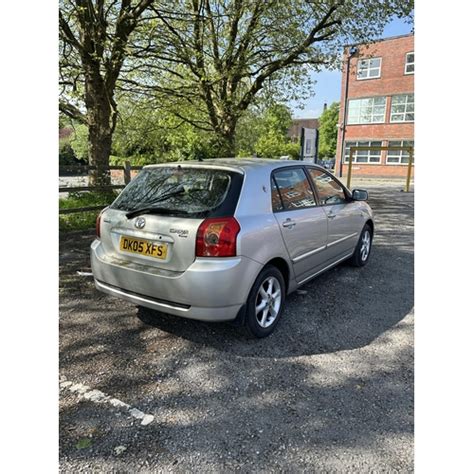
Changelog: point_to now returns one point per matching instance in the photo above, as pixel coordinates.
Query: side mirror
(360, 195)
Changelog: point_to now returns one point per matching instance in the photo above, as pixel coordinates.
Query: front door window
(329, 190)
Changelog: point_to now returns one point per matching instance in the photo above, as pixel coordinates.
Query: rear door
(303, 224)
(344, 219)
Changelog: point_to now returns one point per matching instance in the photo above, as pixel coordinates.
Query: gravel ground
(331, 390)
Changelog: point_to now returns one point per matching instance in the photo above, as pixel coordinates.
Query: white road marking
(97, 396)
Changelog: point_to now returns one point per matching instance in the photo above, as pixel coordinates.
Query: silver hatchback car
(227, 239)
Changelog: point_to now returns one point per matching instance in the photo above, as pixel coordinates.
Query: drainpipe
(353, 50)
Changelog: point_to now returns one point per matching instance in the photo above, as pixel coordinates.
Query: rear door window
(183, 191)
(294, 188)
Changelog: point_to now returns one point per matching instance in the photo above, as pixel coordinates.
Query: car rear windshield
(181, 191)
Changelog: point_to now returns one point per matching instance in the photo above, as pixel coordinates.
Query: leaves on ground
(84, 443)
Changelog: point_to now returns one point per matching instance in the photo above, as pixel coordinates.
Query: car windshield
(189, 191)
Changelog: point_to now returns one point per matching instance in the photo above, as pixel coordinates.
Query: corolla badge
(140, 222)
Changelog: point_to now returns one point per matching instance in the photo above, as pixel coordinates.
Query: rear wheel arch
(284, 268)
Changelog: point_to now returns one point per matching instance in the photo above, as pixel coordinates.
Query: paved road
(331, 390)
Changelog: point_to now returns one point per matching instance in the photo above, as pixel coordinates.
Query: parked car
(328, 164)
(227, 239)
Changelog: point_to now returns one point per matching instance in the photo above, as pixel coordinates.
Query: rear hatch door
(155, 219)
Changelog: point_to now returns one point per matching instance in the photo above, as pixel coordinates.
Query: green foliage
(84, 443)
(82, 220)
(265, 133)
(146, 135)
(273, 145)
(66, 154)
(328, 131)
(79, 142)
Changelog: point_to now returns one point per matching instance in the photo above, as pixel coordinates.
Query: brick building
(380, 98)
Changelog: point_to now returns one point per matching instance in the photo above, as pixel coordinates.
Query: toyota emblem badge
(140, 222)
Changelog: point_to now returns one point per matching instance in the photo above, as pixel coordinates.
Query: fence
(127, 176)
(409, 149)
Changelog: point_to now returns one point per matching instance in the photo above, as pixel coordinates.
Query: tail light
(217, 237)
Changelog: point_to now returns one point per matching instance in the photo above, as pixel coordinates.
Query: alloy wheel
(365, 247)
(268, 302)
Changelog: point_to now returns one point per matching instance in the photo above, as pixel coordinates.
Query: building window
(363, 156)
(403, 108)
(369, 68)
(410, 63)
(399, 157)
(370, 110)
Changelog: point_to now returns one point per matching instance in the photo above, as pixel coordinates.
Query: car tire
(362, 251)
(265, 302)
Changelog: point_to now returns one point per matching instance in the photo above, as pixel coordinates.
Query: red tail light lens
(217, 237)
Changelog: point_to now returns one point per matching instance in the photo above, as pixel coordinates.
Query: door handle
(289, 223)
(331, 215)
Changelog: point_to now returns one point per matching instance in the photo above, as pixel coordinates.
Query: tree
(221, 55)
(273, 141)
(94, 40)
(328, 131)
(261, 128)
(145, 136)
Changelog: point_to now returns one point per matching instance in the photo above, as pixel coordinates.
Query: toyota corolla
(228, 239)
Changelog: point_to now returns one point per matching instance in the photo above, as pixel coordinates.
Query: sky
(328, 86)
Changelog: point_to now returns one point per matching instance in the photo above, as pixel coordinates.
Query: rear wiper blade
(154, 210)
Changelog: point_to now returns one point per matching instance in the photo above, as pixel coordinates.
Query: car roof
(239, 164)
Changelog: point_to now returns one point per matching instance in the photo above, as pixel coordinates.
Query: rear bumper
(211, 289)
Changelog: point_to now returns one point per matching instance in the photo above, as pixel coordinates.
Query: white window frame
(399, 153)
(369, 68)
(410, 64)
(353, 101)
(404, 113)
(357, 152)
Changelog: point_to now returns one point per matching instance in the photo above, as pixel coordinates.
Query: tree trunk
(226, 138)
(99, 114)
(100, 147)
